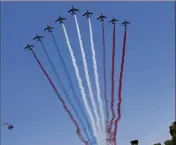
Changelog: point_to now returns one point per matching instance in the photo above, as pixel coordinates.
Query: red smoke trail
(112, 81)
(104, 70)
(120, 87)
(60, 98)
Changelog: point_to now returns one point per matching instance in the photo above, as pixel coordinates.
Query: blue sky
(28, 101)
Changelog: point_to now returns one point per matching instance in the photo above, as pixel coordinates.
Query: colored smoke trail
(104, 72)
(80, 84)
(83, 118)
(97, 81)
(112, 81)
(63, 88)
(87, 76)
(120, 86)
(60, 98)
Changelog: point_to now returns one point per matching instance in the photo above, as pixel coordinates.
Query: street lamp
(10, 127)
(134, 142)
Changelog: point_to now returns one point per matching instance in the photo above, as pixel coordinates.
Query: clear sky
(27, 99)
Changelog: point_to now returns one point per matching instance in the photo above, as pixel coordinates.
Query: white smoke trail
(87, 76)
(81, 85)
(97, 81)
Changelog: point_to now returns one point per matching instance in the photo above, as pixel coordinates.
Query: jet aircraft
(49, 28)
(113, 21)
(37, 37)
(60, 19)
(29, 47)
(73, 10)
(101, 17)
(87, 14)
(125, 23)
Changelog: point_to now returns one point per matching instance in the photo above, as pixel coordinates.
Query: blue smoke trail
(63, 88)
(72, 87)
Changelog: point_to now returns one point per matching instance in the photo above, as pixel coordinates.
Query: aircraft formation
(108, 135)
(73, 11)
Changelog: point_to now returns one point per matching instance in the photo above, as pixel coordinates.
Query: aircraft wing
(84, 14)
(39, 37)
(125, 23)
(90, 13)
(100, 17)
(70, 11)
(110, 21)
